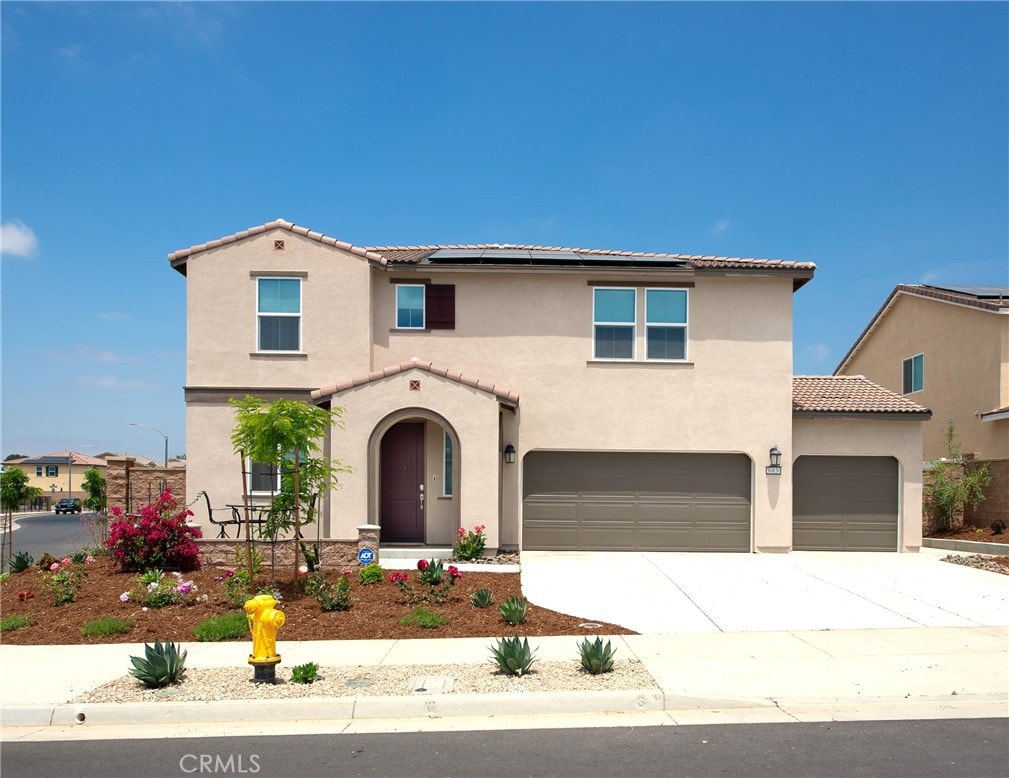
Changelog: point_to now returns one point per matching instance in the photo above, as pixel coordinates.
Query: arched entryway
(415, 462)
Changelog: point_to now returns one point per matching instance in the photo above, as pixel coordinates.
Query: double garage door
(635, 501)
(844, 504)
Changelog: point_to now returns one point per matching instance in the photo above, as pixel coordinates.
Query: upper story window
(914, 374)
(613, 321)
(278, 309)
(666, 323)
(425, 306)
(52, 471)
(38, 470)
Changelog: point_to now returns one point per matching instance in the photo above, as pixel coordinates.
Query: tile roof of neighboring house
(849, 394)
(993, 303)
(996, 414)
(407, 255)
(60, 458)
(503, 394)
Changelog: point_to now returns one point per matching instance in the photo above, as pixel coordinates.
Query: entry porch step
(414, 551)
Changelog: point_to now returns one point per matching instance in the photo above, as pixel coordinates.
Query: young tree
(14, 492)
(94, 485)
(286, 434)
(951, 485)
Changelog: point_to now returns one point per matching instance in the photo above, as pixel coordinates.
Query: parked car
(68, 505)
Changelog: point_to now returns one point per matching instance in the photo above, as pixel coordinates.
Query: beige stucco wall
(966, 368)
(533, 334)
(865, 437)
(221, 314)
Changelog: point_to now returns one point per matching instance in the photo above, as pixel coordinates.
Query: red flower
(397, 577)
(454, 571)
(24, 594)
(422, 565)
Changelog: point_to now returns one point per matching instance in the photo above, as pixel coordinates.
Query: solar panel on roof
(495, 254)
(555, 256)
(456, 254)
(976, 290)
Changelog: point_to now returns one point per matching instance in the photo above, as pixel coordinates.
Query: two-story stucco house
(564, 398)
(946, 347)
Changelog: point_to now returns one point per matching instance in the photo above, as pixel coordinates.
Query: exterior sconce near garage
(509, 454)
(775, 467)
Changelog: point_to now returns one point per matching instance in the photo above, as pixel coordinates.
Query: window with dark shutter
(440, 306)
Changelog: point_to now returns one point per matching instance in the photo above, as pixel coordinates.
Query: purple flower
(124, 597)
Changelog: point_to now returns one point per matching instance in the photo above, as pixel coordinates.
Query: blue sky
(869, 138)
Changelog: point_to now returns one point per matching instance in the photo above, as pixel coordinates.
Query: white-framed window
(52, 471)
(263, 478)
(410, 307)
(914, 374)
(447, 484)
(614, 318)
(666, 324)
(278, 313)
(38, 470)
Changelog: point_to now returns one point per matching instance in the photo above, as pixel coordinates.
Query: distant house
(59, 474)
(565, 398)
(947, 348)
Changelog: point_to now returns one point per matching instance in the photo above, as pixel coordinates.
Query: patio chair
(232, 514)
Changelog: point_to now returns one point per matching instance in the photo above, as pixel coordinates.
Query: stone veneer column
(367, 536)
(117, 477)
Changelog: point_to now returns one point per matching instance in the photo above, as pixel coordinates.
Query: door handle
(422, 496)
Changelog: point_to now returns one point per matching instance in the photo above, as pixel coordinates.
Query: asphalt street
(60, 534)
(941, 747)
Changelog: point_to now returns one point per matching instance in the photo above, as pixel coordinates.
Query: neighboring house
(945, 347)
(59, 474)
(565, 398)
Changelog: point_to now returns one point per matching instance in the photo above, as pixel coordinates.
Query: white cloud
(720, 226)
(18, 239)
(116, 383)
(818, 352)
(71, 53)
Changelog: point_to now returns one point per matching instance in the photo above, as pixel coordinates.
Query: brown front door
(402, 502)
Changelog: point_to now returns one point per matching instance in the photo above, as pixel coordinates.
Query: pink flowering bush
(470, 545)
(156, 590)
(157, 538)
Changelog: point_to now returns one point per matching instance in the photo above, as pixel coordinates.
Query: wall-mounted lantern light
(775, 467)
(509, 454)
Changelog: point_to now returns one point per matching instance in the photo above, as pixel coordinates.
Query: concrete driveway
(657, 592)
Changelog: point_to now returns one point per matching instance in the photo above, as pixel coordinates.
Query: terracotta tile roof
(993, 305)
(414, 254)
(503, 394)
(849, 394)
(406, 255)
(176, 257)
(995, 413)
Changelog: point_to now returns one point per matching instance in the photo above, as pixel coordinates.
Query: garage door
(844, 504)
(635, 501)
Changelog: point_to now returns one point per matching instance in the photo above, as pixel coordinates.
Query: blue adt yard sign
(365, 556)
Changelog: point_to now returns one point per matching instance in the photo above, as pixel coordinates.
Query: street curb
(453, 706)
(967, 546)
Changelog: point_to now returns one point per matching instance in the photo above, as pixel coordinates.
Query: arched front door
(402, 486)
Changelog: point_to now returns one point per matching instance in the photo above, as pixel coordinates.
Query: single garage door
(635, 501)
(844, 504)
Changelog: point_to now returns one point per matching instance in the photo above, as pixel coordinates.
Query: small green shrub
(237, 588)
(514, 610)
(331, 598)
(63, 584)
(11, 623)
(107, 625)
(311, 556)
(4, 576)
(596, 656)
(306, 673)
(160, 666)
(482, 598)
(370, 574)
(21, 561)
(79, 557)
(512, 655)
(257, 560)
(230, 626)
(421, 617)
(470, 545)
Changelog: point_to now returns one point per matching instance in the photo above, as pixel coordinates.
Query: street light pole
(162, 434)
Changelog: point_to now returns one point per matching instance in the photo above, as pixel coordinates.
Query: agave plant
(512, 655)
(21, 561)
(161, 665)
(514, 610)
(482, 598)
(596, 656)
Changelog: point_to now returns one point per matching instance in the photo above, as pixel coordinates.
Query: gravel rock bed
(980, 562)
(232, 683)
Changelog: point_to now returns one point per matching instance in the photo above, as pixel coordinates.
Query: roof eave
(878, 415)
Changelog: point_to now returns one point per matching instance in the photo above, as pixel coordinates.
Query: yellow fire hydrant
(264, 621)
